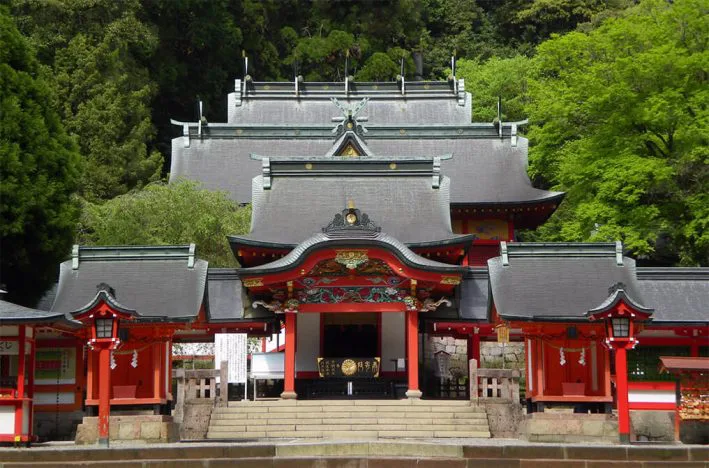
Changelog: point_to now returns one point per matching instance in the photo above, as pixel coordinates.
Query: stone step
(348, 419)
(366, 403)
(348, 435)
(281, 412)
(401, 426)
(344, 419)
(369, 418)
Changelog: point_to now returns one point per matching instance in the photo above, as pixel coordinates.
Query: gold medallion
(349, 367)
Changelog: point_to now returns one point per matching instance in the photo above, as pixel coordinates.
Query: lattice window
(644, 362)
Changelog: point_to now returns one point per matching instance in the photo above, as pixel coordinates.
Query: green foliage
(96, 51)
(40, 170)
(621, 118)
(160, 214)
(505, 78)
(379, 67)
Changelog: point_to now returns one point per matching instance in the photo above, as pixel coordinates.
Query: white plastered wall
(393, 343)
(308, 339)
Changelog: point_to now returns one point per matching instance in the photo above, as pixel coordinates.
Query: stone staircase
(348, 419)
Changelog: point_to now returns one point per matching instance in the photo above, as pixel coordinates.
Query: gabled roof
(678, 295)
(407, 198)
(349, 140)
(416, 119)
(226, 300)
(557, 282)
(161, 283)
(14, 314)
(419, 102)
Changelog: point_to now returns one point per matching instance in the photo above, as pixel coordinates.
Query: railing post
(515, 386)
(179, 412)
(473, 379)
(223, 384)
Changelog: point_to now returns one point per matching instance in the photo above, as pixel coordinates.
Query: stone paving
(296, 453)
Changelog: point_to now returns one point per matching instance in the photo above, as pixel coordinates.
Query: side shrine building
(381, 216)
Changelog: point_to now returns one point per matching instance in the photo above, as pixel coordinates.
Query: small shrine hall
(381, 216)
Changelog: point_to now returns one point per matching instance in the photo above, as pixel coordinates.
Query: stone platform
(147, 429)
(571, 427)
(495, 453)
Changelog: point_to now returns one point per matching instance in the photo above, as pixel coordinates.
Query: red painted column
(621, 378)
(412, 354)
(289, 370)
(104, 395)
(30, 382)
(21, 369)
(476, 347)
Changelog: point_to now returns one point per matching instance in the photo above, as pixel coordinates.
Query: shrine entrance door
(350, 335)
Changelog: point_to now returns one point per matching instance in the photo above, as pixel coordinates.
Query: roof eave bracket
(619, 253)
(266, 172)
(503, 252)
(436, 177)
(186, 135)
(238, 91)
(461, 92)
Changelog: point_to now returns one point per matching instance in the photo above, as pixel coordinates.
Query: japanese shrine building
(380, 214)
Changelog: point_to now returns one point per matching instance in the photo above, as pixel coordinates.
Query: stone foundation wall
(506, 420)
(130, 429)
(492, 355)
(496, 356)
(56, 426)
(571, 427)
(652, 426)
(196, 420)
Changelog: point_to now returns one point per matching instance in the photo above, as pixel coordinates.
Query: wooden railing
(489, 384)
(198, 386)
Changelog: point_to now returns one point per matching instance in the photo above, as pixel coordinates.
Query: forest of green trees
(615, 92)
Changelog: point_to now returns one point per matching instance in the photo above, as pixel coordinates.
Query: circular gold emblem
(349, 367)
(351, 218)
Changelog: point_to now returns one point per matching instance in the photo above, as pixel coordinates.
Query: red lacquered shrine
(381, 216)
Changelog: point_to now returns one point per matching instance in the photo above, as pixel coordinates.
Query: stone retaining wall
(130, 429)
(571, 427)
(364, 455)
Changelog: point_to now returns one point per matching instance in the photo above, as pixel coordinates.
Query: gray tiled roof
(407, 208)
(226, 165)
(482, 170)
(474, 295)
(11, 313)
(156, 288)
(391, 111)
(678, 295)
(553, 282)
(224, 295)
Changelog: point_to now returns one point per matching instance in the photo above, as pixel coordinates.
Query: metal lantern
(620, 327)
(104, 327)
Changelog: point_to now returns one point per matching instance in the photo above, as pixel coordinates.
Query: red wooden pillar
(21, 370)
(621, 378)
(104, 394)
(412, 354)
(289, 370)
(474, 347)
(157, 370)
(30, 383)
